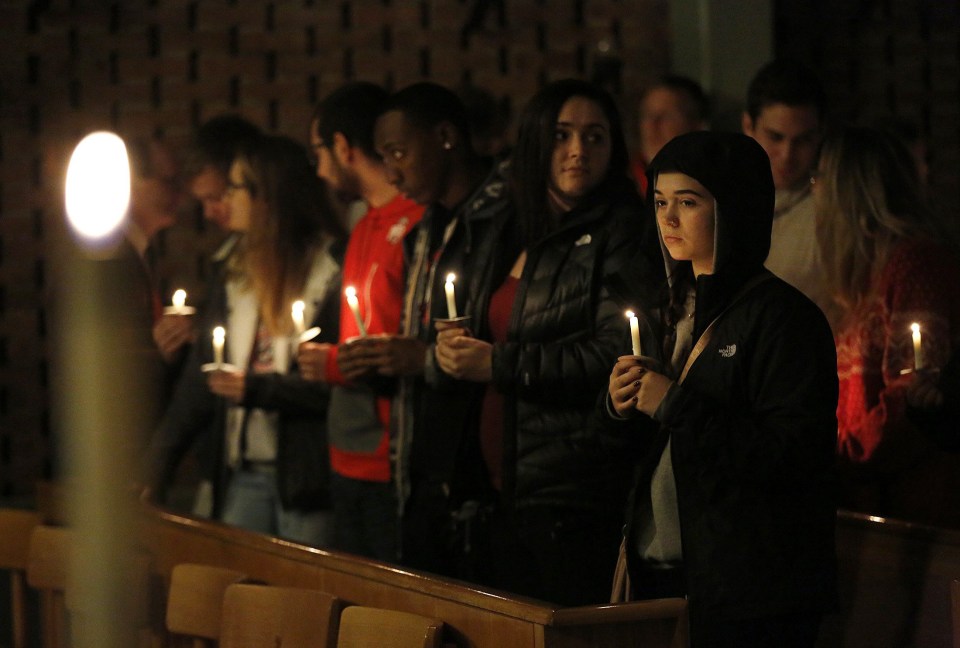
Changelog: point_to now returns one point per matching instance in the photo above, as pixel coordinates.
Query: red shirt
(491, 416)
(373, 264)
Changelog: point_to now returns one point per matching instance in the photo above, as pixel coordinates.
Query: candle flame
(451, 278)
(219, 334)
(350, 291)
(629, 313)
(297, 308)
(915, 327)
(98, 185)
(179, 298)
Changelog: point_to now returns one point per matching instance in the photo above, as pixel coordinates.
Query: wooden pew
(473, 616)
(894, 584)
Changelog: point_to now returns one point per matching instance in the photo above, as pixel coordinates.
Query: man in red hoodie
(364, 503)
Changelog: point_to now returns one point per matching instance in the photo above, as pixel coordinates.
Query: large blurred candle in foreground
(97, 443)
(451, 298)
(917, 349)
(634, 333)
(219, 336)
(354, 305)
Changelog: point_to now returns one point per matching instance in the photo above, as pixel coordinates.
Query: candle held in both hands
(918, 362)
(451, 297)
(354, 304)
(219, 336)
(634, 333)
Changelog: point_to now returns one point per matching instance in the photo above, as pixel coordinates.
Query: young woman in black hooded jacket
(734, 505)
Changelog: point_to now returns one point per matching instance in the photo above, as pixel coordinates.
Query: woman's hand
(464, 357)
(635, 387)
(228, 384)
(312, 360)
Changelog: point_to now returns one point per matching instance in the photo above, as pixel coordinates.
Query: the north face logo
(728, 351)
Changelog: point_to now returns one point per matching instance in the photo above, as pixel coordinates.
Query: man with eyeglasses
(206, 165)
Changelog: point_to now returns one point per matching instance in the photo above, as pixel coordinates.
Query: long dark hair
(532, 155)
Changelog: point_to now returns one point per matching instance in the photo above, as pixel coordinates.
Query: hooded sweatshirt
(751, 428)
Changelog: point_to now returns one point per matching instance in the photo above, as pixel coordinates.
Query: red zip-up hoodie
(374, 266)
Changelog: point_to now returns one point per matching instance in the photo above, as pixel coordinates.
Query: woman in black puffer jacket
(555, 330)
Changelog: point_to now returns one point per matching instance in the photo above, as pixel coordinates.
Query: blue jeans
(365, 515)
(252, 502)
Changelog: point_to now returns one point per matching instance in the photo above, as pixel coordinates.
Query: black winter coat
(565, 332)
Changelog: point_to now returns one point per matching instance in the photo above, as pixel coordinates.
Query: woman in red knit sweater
(887, 271)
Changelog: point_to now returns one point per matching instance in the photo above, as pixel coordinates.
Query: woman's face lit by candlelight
(581, 152)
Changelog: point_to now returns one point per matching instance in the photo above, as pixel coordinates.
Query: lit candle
(634, 333)
(219, 335)
(296, 312)
(179, 298)
(179, 304)
(354, 305)
(917, 349)
(451, 298)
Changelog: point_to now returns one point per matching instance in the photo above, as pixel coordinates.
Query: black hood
(736, 170)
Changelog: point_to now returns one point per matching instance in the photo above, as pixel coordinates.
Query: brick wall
(888, 57)
(71, 66)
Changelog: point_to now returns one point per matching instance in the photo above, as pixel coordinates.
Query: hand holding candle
(296, 311)
(219, 336)
(354, 305)
(635, 333)
(918, 362)
(451, 298)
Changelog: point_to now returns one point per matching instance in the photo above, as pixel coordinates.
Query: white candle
(219, 335)
(354, 305)
(451, 298)
(179, 298)
(296, 311)
(917, 349)
(635, 333)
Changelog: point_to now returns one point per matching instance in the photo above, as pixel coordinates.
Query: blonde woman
(887, 271)
(269, 423)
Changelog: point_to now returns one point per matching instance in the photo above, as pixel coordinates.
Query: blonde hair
(290, 213)
(869, 200)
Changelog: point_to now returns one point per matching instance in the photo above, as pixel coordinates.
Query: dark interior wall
(68, 67)
(882, 58)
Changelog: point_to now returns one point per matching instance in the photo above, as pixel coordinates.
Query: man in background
(364, 502)
(785, 114)
(672, 106)
(206, 165)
